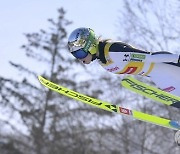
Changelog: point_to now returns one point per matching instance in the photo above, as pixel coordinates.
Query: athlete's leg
(167, 77)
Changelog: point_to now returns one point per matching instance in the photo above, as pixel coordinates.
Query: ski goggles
(80, 54)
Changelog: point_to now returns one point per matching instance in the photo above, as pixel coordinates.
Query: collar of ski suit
(104, 51)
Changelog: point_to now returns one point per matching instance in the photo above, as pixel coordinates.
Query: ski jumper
(162, 67)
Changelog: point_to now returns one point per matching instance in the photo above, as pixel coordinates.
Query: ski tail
(109, 107)
(151, 92)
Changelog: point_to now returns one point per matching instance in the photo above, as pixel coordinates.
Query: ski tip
(175, 124)
(41, 79)
(39, 76)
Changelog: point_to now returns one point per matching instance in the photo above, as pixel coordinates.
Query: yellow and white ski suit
(162, 67)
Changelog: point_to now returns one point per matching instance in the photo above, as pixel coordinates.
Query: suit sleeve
(134, 54)
(166, 57)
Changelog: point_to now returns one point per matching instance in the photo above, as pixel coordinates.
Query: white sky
(26, 16)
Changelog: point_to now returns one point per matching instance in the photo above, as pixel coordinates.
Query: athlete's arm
(134, 54)
(159, 57)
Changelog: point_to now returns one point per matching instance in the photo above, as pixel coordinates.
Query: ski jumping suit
(162, 67)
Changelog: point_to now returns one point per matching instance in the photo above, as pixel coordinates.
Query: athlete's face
(87, 59)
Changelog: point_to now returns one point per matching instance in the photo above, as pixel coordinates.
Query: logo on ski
(169, 89)
(151, 92)
(78, 96)
(125, 111)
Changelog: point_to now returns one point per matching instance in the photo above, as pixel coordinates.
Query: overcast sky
(26, 16)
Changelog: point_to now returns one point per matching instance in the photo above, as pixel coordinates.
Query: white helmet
(82, 41)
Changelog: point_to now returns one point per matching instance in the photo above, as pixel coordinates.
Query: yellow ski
(151, 92)
(109, 107)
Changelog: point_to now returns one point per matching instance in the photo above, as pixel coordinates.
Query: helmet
(81, 42)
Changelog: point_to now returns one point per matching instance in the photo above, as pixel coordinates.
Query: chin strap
(94, 57)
